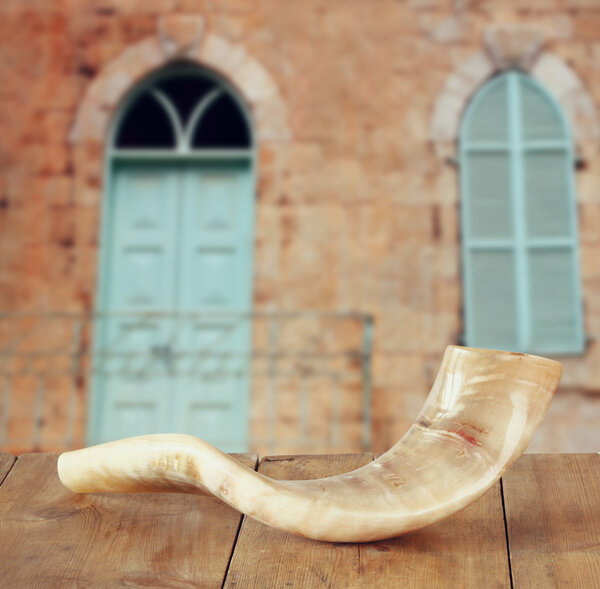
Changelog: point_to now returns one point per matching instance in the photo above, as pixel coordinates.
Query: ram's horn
(480, 416)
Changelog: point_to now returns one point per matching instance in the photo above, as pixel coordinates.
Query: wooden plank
(6, 463)
(265, 557)
(552, 504)
(50, 537)
(466, 550)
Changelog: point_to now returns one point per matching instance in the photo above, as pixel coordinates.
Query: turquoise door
(172, 348)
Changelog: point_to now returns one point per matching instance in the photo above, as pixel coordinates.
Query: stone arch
(182, 37)
(178, 37)
(512, 46)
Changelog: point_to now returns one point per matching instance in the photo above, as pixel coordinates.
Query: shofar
(479, 417)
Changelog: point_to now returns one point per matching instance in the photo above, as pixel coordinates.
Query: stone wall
(356, 104)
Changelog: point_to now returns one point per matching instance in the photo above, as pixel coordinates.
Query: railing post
(272, 372)
(76, 368)
(367, 353)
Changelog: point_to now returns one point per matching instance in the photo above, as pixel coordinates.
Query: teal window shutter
(519, 227)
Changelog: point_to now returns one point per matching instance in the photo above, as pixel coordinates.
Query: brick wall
(357, 207)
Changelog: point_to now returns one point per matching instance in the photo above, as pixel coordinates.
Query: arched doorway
(175, 280)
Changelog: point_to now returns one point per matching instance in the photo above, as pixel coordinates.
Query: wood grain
(265, 557)
(6, 463)
(552, 505)
(466, 550)
(50, 537)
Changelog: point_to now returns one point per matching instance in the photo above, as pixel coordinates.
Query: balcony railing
(308, 373)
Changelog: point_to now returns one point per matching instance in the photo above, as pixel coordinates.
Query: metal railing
(318, 364)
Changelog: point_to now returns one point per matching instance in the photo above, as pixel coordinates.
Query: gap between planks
(552, 510)
(7, 462)
(466, 550)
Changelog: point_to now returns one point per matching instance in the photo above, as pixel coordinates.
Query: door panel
(215, 282)
(216, 249)
(142, 251)
(179, 242)
(132, 382)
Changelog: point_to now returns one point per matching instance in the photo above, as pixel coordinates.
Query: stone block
(254, 81)
(445, 184)
(392, 227)
(114, 87)
(571, 424)
(50, 160)
(61, 227)
(447, 261)
(217, 52)
(301, 189)
(55, 124)
(287, 407)
(450, 30)
(57, 402)
(590, 261)
(586, 26)
(582, 114)
(562, 26)
(180, 33)
(268, 237)
(513, 45)
(588, 185)
(555, 75)
(346, 179)
(589, 222)
(149, 53)
(58, 91)
(477, 68)
(57, 190)
(20, 429)
(266, 292)
(448, 296)
(446, 117)
(446, 151)
(399, 371)
(311, 290)
(134, 62)
(307, 158)
(460, 86)
(270, 118)
(92, 123)
(445, 224)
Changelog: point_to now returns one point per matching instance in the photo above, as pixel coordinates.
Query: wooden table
(538, 527)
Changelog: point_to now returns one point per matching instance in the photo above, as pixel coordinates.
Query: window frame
(520, 243)
(183, 133)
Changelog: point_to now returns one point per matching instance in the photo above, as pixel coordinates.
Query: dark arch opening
(146, 123)
(186, 91)
(222, 126)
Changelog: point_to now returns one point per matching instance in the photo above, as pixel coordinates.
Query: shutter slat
(490, 212)
(493, 300)
(489, 116)
(553, 297)
(547, 194)
(540, 116)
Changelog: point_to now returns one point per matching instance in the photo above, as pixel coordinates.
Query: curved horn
(479, 417)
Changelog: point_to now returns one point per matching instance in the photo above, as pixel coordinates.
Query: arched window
(184, 111)
(519, 230)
